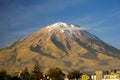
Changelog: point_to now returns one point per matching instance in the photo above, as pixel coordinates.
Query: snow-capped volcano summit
(65, 26)
(70, 30)
(61, 27)
(60, 45)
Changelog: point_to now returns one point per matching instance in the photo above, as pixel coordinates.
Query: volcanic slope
(68, 47)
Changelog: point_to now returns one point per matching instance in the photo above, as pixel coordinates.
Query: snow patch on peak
(61, 24)
(73, 25)
(65, 28)
(57, 26)
(62, 31)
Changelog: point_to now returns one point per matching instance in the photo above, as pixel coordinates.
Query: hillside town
(58, 74)
(98, 75)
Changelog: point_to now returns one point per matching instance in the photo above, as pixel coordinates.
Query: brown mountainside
(60, 45)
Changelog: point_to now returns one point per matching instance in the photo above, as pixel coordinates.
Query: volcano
(67, 46)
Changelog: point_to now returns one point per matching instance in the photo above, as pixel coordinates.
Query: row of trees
(37, 74)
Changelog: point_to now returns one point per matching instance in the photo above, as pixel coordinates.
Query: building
(99, 75)
(66, 78)
(111, 77)
(93, 77)
(106, 75)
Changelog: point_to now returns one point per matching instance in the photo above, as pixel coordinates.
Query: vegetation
(75, 74)
(15, 78)
(4, 75)
(56, 74)
(36, 74)
(25, 74)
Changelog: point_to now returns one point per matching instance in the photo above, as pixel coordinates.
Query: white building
(93, 77)
(110, 75)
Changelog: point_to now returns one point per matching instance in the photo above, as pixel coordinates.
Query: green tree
(15, 78)
(4, 75)
(75, 74)
(56, 74)
(36, 73)
(25, 74)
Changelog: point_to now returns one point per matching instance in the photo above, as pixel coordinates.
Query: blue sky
(19, 18)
